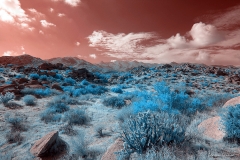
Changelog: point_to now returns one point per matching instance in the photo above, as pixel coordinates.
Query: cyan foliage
(76, 117)
(231, 121)
(70, 81)
(115, 102)
(34, 76)
(29, 100)
(117, 89)
(43, 77)
(7, 97)
(150, 129)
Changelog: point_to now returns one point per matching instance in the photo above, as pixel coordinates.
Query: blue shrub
(34, 76)
(2, 69)
(43, 77)
(96, 89)
(7, 97)
(231, 121)
(115, 102)
(152, 129)
(76, 116)
(58, 76)
(58, 107)
(117, 90)
(29, 100)
(43, 92)
(70, 81)
(49, 115)
(19, 76)
(84, 82)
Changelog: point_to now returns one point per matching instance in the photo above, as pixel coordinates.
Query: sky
(151, 31)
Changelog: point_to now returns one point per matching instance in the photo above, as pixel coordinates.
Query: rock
(33, 82)
(42, 145)
(22, 80)
(81, 74)
(212, 128)
(232, 102)
(35, 86)
(51, 74)
(7, 87)
(57, 87)
(219, 72)
(109, 154)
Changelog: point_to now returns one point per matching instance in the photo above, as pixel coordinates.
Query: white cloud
(41, 32)
(207, 45)
(72, 3)
(46, 24)
(51, 10)
(36, 13)
(11, 11)
(93, 56)
(10, 53)
(61, 14)
(120, 43)
(77, 43)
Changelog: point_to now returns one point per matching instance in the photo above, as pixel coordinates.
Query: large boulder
(115, 147)
(42, 145)
(212, 128)
(232, 102)
(57, 87)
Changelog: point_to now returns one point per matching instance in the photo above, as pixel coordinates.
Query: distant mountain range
(28, 60)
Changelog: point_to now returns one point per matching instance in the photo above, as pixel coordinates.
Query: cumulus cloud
(199, 46)
(11, 11)
(10, 53)
(93, 56)
(77, 43)
(72, 3)
(121, 43)
(46, 24)
(61, 14)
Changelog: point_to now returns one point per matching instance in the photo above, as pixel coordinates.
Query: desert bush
(34, 76)
(16, 121)
(81, 150)
(40, 92)
(76, 117)
(58, 107)
(68, 130)
(50, 115)
(89, 89)
(70, 81)
(117, 90)
(7, 97)
(150, 129)
(66, 99)
(124, 114)
(84, 82)
(29, 100)
(230, 120)
(99, 131)
(115, 102)
(58, 76)
(14, 137)
(43, 77)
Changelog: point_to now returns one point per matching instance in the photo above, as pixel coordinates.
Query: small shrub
(58, 107)
(84, 82)
(70, 81)
(7, 97)
(117, 90)
(14, 137)
(115, 102)
(76, 116)
(99, 131)
(16, 122)
(50, 115)
(34, 76)
(43, 77)
(29, 100)
(68, 130)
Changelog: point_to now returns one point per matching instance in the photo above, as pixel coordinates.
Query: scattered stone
(42, 145)
(109, 154)
(57, 87)
(212, 128)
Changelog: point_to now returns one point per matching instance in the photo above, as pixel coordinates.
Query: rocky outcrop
(57, 87)
(115, 147)
(42, 145)
(232, 102)
(81, 74)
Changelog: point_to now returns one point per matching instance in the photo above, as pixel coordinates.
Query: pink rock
(232, 102)
(115, 147)
(42, 145)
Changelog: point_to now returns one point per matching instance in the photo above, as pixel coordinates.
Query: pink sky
(154, 31)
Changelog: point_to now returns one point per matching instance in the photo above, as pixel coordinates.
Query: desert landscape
(51, 110)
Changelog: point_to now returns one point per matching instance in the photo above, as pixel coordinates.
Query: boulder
(57, 87)
(81, 74)
(38, 86)
(42, 145)
(51, 74)
(212, 128)
(232, 102)
(115, 147)
(7, 87)
(22, 80)
(32, 82)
